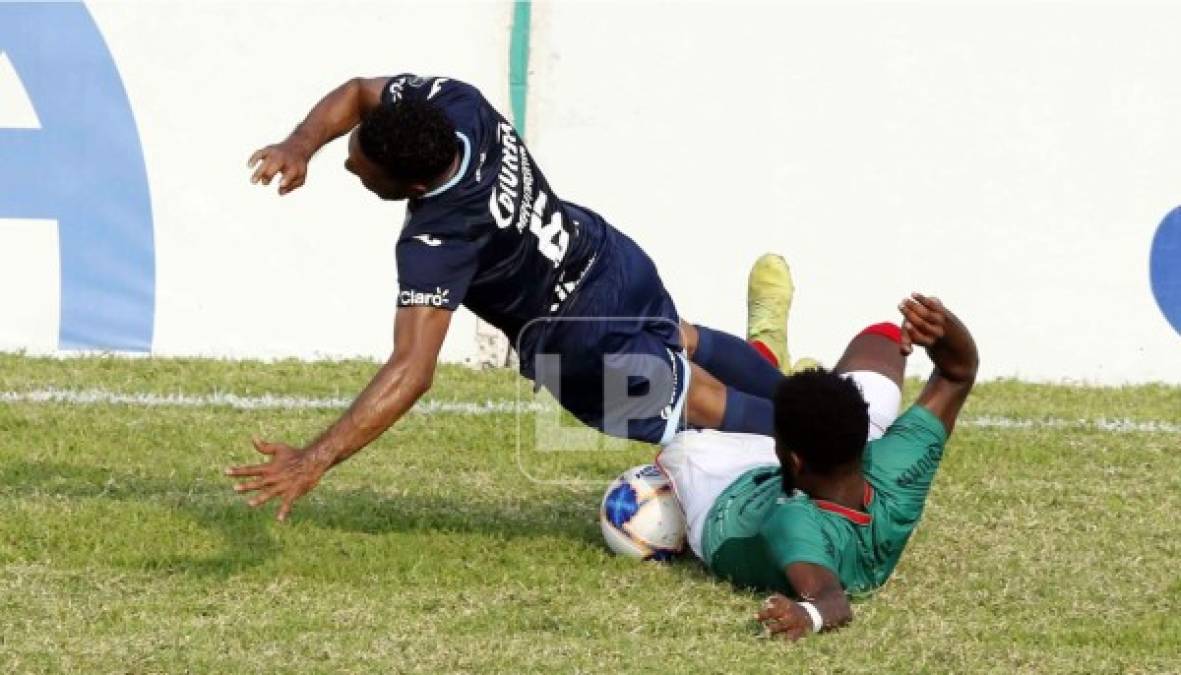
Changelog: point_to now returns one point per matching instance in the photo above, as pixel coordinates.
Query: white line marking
(1114, 425)
(487, 407)
(237, 402)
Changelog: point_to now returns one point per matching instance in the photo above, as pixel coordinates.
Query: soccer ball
(641, 517)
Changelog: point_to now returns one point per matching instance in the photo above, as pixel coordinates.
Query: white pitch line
(238, 402)
(487, 407)
(1114, 425)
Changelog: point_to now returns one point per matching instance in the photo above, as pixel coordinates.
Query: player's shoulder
(794, 530)
(442, 90)
(444, 221)
(792, 515)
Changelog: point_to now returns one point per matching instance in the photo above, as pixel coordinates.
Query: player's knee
(878, 349)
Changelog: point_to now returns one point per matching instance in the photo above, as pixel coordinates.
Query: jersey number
(552, 237)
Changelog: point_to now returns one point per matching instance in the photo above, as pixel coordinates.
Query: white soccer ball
(641, 517)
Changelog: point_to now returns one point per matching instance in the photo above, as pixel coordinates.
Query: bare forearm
(335, 115)
(390, 395)
(954, 355)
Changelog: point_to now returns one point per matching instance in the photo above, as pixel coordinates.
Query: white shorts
(702, 463)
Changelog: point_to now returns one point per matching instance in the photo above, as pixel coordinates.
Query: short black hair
(823, 418)
(410, 140)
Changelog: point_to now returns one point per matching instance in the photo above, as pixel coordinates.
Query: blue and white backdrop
(1018, 160)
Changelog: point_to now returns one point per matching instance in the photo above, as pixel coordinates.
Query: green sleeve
(904, 461)
(794, 535)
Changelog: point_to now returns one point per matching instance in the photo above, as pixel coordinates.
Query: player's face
(373, 178)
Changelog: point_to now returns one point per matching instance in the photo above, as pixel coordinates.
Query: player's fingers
(263, 447)
(272, 168)
(265, 168)
(285, 507)
(921, 338)
(920, 320)
(266, 496)
(781, 628)
(911, 317)
(916, 336)
(247, 470)
(295, 184)
(253, 485)
(929, 301)
(795, 633)
(258, 154)
(919, 308)
(772, 607)
(904, 343)
(291, 180)
(927, 308)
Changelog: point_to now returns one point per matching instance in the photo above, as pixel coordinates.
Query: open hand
(924, 321)
(782, 617)
(289, 474)
(285, 159)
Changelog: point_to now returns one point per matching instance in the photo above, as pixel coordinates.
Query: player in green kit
(817, 513)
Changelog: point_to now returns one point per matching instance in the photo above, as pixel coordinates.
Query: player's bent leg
(713, 405)
(874, 360)
(734, 361)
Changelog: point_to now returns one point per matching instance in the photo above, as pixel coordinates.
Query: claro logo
(419, 299)
(82, 165)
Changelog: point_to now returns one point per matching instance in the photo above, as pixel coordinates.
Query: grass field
(1051, 542)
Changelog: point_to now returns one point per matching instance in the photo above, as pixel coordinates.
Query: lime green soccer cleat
(769, 291)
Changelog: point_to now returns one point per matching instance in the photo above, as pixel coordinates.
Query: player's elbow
(964, 372)
(418, 381)
(409, 376)
(415, 382)
(962, 375)
(419, 386)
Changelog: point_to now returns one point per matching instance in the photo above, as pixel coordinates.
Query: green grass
(123, 549)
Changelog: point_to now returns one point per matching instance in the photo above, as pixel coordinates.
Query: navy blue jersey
(494, 238)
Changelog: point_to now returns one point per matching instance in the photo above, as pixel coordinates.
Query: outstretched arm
(292, 472)
(817, 586)
(953, 351)
(335, 115)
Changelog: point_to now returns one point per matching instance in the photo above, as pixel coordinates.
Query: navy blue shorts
(615, 359)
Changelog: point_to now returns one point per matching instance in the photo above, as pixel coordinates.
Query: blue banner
(83, 168)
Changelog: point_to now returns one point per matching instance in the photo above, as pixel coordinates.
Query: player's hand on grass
(783, 618)
(290, 474)
(287, 160)
(924, 321)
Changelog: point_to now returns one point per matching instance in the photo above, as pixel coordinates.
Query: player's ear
(797, 464)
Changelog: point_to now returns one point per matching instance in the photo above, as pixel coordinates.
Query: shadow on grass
(249, 537)
(247, 541)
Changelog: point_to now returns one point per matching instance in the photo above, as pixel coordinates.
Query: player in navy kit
(583, 304)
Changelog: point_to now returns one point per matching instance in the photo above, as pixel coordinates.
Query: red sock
(765, 351)
(887, 330)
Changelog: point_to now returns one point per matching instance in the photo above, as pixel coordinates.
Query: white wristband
(817, 620)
